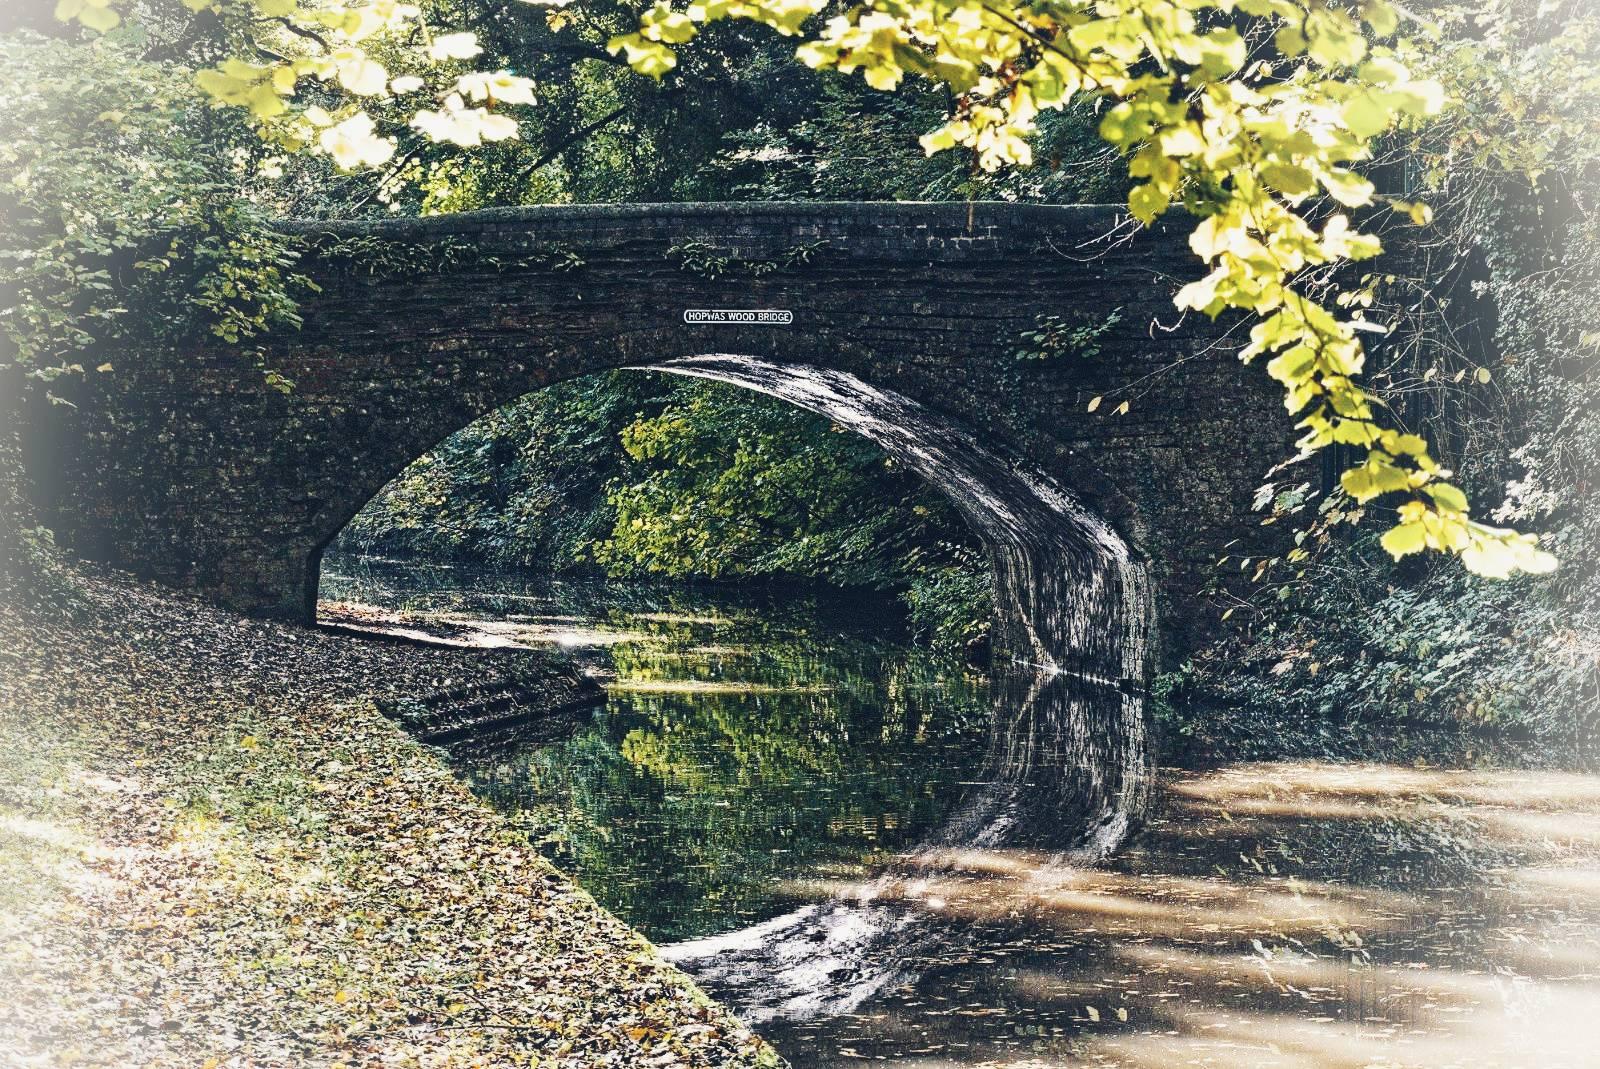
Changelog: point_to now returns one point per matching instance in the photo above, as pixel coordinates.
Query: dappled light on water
(880, 858)
(1310, 916)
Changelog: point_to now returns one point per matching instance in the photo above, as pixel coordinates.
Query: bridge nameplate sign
(769, 316)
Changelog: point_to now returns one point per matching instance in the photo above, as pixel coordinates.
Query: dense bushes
(647, 477)
(1344, 642)
(128, 219)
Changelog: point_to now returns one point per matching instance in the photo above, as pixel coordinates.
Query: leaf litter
(215, 851)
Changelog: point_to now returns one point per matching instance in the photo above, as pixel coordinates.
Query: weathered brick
(186, 468)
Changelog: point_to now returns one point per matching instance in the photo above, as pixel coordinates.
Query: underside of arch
(1072, 596)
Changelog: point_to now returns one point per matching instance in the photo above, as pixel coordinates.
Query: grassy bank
(215, 852)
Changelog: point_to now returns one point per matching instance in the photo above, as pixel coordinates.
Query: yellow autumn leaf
(360, 75)
(455, 46)
(1403, 539)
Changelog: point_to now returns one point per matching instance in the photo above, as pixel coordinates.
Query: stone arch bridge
(900, 321)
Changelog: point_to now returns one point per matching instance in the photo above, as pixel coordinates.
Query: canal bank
(217, 851)
(869, 860)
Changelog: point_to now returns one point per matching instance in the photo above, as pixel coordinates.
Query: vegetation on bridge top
(215, 848)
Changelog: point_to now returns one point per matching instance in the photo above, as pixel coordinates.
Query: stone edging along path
(215, 851)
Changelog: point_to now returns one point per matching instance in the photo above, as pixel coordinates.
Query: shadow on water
(881, 857)
(1067, 772)
(1309, 915)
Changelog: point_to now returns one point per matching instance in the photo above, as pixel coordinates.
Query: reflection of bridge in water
(1067, 777)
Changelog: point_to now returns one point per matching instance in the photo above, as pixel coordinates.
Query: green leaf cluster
(723, 485)
(123, 226)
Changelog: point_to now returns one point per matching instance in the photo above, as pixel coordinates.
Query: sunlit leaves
(648, 50)
(650, 58)
(462, 125)
(1365, 115)
(1380, 15)
(1341, 242)
(1147, 201)
(1489, 551)
(254, 86)
(454, 46)
(1498, 553)
(94, 14)
(352, 140)
(501, 87)
(1404, 538)
(1347, 187)
(1378, 474)
(1332, 37)
(354, 143)
(358, 74)
(1247, 142)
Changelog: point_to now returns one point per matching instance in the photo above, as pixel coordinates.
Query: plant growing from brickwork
(1253, 115)
(1077, 334)
(711, 261)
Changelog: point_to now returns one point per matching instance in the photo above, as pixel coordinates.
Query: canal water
(881, 855)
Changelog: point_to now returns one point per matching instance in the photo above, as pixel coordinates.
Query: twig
(549, 155)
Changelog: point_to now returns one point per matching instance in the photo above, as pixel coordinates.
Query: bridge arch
(905, 319)
(1072, 595)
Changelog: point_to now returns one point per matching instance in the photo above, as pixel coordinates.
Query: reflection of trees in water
(681, 812)
(1068, 773)
(669, 613)
(783, 658)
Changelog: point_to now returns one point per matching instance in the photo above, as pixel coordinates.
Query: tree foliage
(647, 477)
(121, 225)
(1254, 115)
(1504, 294)
(525, 486)
(720, 489)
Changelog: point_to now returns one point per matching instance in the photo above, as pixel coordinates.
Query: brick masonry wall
(186, 468)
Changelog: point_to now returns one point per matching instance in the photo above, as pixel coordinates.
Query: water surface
(882, 857)
(749, 743)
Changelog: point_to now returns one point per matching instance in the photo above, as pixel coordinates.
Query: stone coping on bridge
(990, 215)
